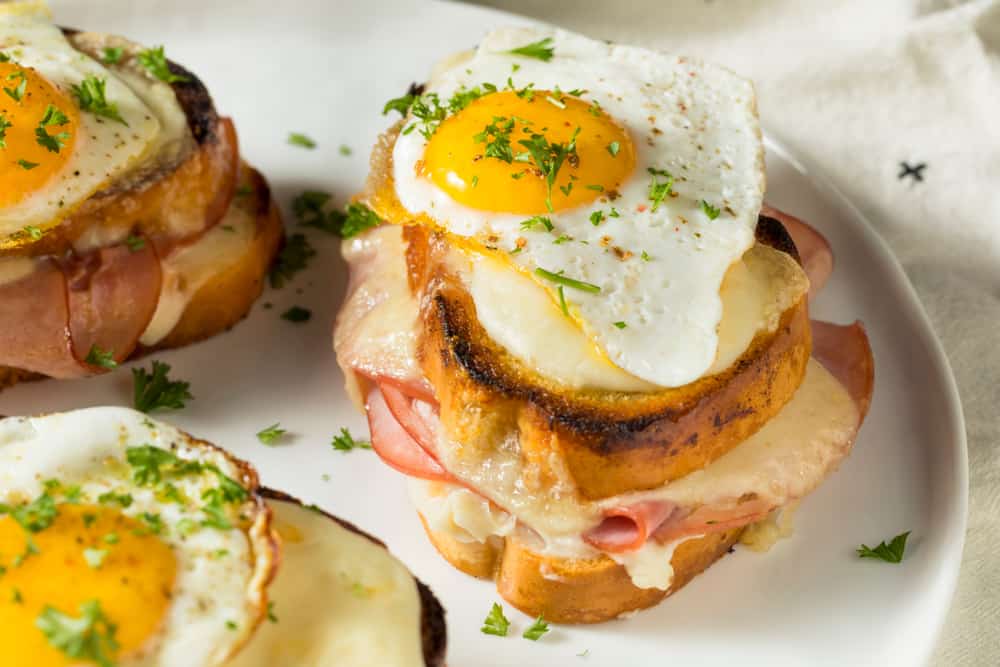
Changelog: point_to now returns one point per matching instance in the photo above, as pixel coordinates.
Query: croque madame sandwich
(126, 542)
(581, 334)
(128, 221)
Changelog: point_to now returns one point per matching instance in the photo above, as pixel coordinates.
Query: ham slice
(395, 446)
(50, 318)
(814, 249)
(112, 295)
(845, 352)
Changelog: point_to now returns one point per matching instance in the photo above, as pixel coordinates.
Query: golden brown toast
(228, 296)
(573, 590)
(611, 441)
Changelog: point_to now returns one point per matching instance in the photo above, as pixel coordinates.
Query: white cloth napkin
(899, 102)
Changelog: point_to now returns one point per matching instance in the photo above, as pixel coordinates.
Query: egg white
(708, 138)
(87, 448)
(104, 148)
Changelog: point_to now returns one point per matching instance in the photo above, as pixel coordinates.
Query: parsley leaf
(155, 62)
(531, 223)
(709, 210)
(620, 325)
(613, 148)
(355, 219)
(299, 139)
(90, 96)
(537, 629)
(33, 231)
(345, 150)
(308, 208)
(35, 516)
(297, 314)
(659, 190)
(17, 92)
(101, 358)
(560, 279)
(292, 259)
(108, 497)
(112, 55)
(90, 637)
(51, 142)
(135, 243)
(271, 434)
(4, 124)
(496, 136)
(400, 104)
(495, 622)
(270, 612)
(27, 166)
(596, 218)
(542, 50)
(154, 390)
(890, 553)
(345, 442)
(549, 158)
(562, 300)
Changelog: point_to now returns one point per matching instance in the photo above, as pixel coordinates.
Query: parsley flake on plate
(536, 629)
(271, 434)
(293, 258)
(495, 622)
(345, 442)
(299, 139)
(154, 390)
(890, 553)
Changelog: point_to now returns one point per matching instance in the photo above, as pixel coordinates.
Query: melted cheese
(523, 318)
(13, 269)
(188, 268)
(783, 461)
(339, 599)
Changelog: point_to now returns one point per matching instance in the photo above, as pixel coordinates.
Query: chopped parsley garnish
(429, 110)
(154, 390)
(344, 150)
(495, 622)
(890, 553)
(659, 190)
(645, 256)
(709, 210)
(51, 142)
(297, 314)
(91, 636)
(17, 92)
(595, 188)
(35, 516)
(101, 358)
(345, 442)
(135, 243)
(95, 557)
(613, 148)
(292, 259)
(620, 325)
(4, 58)
(562, 300)
(122, 499)
(90, 95)
(308, 208)
(112, 55)
(155, 62)
(34, 232)
(548, 158)
(299, 139)
(595, 108)
(4, 124)
(110, 538)
(231, 625)
(560, 279)
(270, 612)
(400, 104)
(27, 166)
(541, 50)
(614, 213)
(536, 629)
(355, 219)
(537, 220)
(16, 597)
(271, 434)
(596, 218)
(562, 238)
(496, 136)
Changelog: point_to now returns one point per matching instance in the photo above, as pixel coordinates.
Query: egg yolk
(528, 154)
(29, 107)
(130, 574)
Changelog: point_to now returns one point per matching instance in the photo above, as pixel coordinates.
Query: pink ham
(51, 318)
(395, 446)
(814, 249)
(112, 294)
(401, 406)
(845, 352)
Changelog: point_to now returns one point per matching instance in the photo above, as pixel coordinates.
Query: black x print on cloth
(916, 172)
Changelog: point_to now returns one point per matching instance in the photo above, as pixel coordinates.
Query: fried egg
(54, 153)
(622, 181)
(124, 541)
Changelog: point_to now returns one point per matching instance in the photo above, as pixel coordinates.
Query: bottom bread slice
(565, 590)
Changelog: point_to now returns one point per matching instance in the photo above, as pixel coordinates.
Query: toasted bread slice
(573, 590)
(228, 295)
(611, 441)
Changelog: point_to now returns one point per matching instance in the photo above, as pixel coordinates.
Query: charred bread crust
(565, 590)
(433, 629)
(611, 442)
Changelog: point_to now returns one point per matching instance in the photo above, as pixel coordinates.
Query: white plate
(326, 69)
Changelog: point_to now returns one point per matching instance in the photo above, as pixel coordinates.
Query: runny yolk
(461, 156)
(133, 584)
(25, 164)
